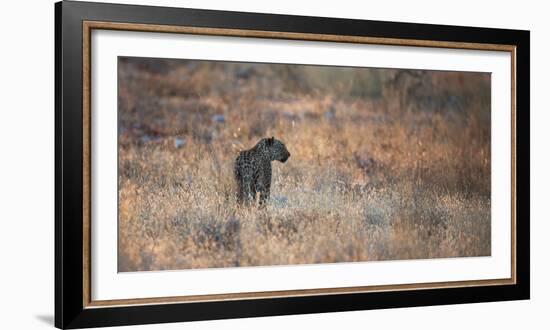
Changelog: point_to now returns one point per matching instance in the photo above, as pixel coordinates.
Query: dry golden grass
(380, 168)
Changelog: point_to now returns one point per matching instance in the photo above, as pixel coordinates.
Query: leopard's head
(276, 149)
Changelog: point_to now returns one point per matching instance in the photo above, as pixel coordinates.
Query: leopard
(253, 170)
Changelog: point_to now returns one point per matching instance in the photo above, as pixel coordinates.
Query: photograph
(241, 164)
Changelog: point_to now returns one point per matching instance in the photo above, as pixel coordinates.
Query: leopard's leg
(264, 196)
(264, 187)
(248, 190)
(240, 191)
(253, 192)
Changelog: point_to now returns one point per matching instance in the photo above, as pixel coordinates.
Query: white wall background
(27, 169)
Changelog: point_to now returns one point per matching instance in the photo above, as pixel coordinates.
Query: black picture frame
(70, 309)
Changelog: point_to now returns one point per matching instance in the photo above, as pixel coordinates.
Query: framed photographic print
(215, 164)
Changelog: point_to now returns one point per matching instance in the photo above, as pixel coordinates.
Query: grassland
(386, 164)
